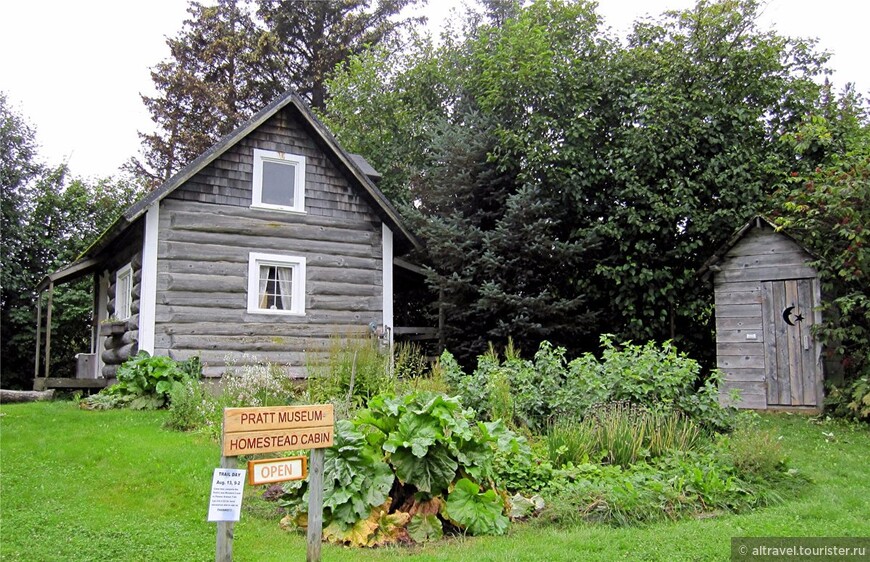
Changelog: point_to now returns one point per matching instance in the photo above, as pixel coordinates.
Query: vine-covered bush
(146, 382)
(406, 469)
(550, 387)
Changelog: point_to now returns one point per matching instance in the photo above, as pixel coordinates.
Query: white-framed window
(279, 181)
(276, 284)
(124, 292)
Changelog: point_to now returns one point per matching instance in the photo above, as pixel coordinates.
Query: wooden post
(315, 505)
(48, 329)
(224, 550)
(38, 336)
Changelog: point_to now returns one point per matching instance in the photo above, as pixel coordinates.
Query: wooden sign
(269, 471)
(278, 417)
(280, 428)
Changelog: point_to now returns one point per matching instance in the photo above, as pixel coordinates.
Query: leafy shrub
(145, 382)
(621, 433)
(524, 472)
(651, 375)
(473, 388)
(406, 468)
(186, 412)
(481, 513)
(549, 388)
(852, 401)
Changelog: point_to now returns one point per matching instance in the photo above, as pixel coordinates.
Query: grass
(114, 485)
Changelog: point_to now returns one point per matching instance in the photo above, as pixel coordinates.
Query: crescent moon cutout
(786, 315)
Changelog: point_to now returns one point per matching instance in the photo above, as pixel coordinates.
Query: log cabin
(766, 296)
(267, 245)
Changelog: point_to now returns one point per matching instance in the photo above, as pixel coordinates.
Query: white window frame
(124, 300)
(295, 160)
(296, 263)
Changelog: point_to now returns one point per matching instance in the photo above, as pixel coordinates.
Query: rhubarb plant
(407, 468)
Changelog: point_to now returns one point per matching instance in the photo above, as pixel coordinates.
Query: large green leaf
(344, 459)
(432, 473)
(446, 410)
(504, 439)
(351, 510)
(356, 478)
(479, 513)
(424, 528)
(475, 457)
(380, 419)
(417, 432)
(378, 484)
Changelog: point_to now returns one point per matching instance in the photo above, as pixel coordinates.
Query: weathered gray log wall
(208, 230)
(741, 346)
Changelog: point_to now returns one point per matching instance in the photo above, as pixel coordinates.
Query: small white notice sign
(227, 487)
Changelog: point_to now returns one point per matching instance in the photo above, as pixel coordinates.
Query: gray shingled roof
(358, 168)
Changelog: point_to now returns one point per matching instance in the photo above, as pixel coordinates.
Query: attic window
(276, 284)
(279, 181)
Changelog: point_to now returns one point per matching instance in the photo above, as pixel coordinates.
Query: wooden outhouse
(767, 297)
(263, 248)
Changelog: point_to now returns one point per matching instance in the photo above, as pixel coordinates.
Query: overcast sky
(75, 68)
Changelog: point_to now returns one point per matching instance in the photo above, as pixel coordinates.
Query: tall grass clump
(621, 433)
(754, 450)
(352, 371)
(414, 371)
(409, 361)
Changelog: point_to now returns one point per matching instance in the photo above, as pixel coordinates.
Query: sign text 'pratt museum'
(281, 428)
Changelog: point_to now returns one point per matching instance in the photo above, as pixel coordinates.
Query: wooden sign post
(249, 431)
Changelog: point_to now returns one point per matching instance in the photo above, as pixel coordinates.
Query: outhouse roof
(758, 221)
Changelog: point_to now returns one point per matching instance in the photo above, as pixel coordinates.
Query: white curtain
(285, 283)
(264, 281)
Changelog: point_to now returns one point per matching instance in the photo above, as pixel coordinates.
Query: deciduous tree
(607, 174)
(48, 220)
(828, 209)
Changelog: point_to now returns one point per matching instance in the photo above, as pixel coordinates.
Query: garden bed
(80, 485)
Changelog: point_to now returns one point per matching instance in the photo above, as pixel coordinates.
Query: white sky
(75, 68)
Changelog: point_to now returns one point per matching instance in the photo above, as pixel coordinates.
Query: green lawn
(84, 485)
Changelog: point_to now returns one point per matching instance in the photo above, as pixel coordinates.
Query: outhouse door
(792, 372)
